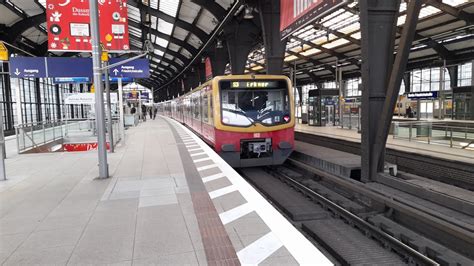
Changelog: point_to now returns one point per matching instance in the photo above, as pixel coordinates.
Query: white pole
(19, 116)
(120, 98)
(99, 96)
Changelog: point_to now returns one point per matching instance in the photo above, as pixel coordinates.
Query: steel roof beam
(339, 56)
(172, 39)
(176, 21)
(214, 8)
(313, 61)
(453, 11)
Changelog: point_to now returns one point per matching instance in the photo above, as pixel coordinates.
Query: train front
(254, 119)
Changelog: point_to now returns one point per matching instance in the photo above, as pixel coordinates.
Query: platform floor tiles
(53, 210)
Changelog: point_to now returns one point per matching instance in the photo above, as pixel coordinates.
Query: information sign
(68, 25)
(139, 68)
(28, 67)
(86, 98)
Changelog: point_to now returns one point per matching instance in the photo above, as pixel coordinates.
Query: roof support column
(219, 59)
(274, 46)
(377, 22)
(453, 76)
(240, 37)
(407, 81)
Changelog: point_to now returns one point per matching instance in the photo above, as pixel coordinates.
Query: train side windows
(205, 111)
(196, 106)
(211, 109)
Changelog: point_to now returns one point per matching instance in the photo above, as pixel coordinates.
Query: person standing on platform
(155, 110)
(143, 113)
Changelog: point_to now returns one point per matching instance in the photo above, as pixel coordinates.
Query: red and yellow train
(248, 119)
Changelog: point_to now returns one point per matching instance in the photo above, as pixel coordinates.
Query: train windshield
(247, 103)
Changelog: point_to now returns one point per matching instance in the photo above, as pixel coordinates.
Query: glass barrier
(438, 133)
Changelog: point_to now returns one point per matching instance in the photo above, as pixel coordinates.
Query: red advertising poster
(296, 14)
(208, 68)
(69, 25)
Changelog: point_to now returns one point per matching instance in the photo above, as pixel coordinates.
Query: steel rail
(411, 254)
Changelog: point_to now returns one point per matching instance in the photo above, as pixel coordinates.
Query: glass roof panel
(169, 7)
(164, 27)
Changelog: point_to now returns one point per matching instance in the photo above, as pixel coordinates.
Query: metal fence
(439, 133)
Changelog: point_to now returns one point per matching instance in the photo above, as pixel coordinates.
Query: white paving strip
(259, 250)
(299, 247)
(197, 154)
(212, 177)
(202, 160)
(235, 213)
(192, 146)
(222, 191)
(197, 149)
(205, 167)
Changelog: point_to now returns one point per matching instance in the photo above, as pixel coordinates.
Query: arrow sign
(28, 67)
(139, 68)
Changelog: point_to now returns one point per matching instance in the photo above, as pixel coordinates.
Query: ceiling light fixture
(219, 44)
(248, 13)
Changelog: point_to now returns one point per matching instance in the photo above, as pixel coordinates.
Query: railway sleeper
(428, 222)
(433, 250)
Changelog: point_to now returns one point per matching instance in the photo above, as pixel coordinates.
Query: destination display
(254, 84)
(68, 23)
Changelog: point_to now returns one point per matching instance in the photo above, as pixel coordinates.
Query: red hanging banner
(208, 68)
(296, 14)
(69, 25)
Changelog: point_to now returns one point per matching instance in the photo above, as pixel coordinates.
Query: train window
(205, 112)
(244, 104)
(196, 106)
(211, 107)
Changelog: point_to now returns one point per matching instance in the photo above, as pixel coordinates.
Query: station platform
(171, 200)
(436, 151)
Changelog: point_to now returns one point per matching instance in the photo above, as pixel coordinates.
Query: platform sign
(70, 80)
(28, 67)
(139, 68)
(295, 14)
(86, 98)
(422, 95)
(65, 67)
(68, 23)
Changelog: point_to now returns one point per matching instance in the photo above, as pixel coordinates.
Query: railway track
(354, 230)
(451, 172)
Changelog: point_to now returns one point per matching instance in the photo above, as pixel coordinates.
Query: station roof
(177, 29)
(180, 28)
(445, 31)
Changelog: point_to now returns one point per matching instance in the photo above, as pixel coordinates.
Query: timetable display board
(68, 23)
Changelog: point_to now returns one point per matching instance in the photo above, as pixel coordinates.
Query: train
(249, 120)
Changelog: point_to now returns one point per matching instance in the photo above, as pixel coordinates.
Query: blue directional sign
(139, 68)
(70, 80)
(88, 80)
(65, 67)
(28, 67)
